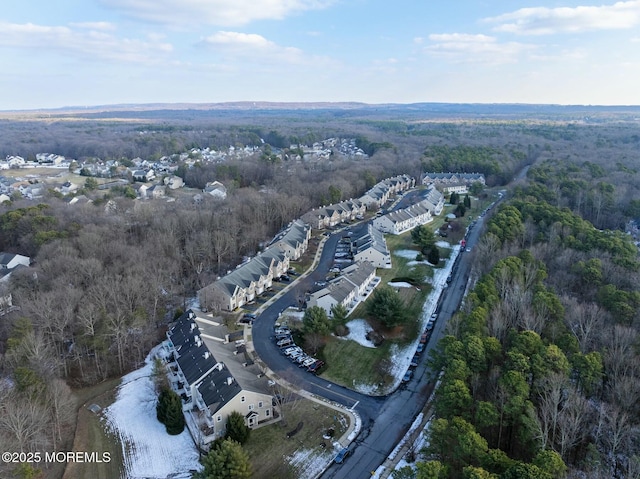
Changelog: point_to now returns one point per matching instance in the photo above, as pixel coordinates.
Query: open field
(307, 450)
(359, 367)
(91, 436)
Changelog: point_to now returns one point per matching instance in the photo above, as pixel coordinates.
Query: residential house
(433, 200)
(380, 193)
(216, 189)
(143, 175)
(352, 287)
(173, 182)
(400, 183)
(9, 262)
(332, 215)
(452, 179)
(399, 221)
(244, 284)
(14, 161)
(156, 191)
(371, 246)
(49, 158)
(376, 196)
(67, 188)
(4, 197)
(211, 388)
(294, 239)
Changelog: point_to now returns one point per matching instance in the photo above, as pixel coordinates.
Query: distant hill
(193, 111)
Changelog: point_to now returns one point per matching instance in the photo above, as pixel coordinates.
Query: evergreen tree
(467, 201)
(237, 430)
(433, 256)
(423, 237)
(315, 320)
(460, 210)
(169, 411)
(226, 460)
(387, 306)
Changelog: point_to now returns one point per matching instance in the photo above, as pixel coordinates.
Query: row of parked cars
(284, 340)
(424, 338)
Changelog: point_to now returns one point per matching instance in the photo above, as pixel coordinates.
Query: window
(219, 418)
(250, 407)
(243, 399)
(260, 404)
(267, 413)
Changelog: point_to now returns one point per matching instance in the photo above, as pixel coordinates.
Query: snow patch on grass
(309, 463)
(406, 253)
(358, 329)
(147, 449)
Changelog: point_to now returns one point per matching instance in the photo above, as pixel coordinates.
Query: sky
(102, 52)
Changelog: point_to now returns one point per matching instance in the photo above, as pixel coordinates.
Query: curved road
(385, 420)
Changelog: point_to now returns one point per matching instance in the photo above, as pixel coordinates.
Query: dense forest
(541, 370)
(553, 316)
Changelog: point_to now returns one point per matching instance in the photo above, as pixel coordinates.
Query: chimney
(229, 380)
(206, 354)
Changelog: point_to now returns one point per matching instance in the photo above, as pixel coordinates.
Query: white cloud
(213, 12)
(81, 42)
(464, 47)
(105, 26)
(256, 48)
(547, 21)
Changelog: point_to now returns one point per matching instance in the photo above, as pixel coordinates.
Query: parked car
(250, 316)
(308, 362)
(414, 361)
(313, 368)
(430, 324)
(420, 348)
(342, 455)
(301, 359)
(283, 343)
(285, 278)
(407, 376)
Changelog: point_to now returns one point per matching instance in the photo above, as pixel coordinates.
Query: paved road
(384, 419)
(399, 409)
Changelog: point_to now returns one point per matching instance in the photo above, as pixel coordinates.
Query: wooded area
(541, 370)
(544, 356)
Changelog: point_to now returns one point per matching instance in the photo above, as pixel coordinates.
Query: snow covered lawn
(358, 329)
(148, 451)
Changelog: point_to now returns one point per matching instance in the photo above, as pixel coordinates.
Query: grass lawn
(91, 436)
(269, 447)
(351, 364)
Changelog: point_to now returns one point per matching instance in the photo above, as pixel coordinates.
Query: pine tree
(169, 411)
(434, 255)
(226, 460)
(237, 430)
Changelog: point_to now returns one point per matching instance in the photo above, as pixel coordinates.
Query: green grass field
(91, 435)
(269, 448)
